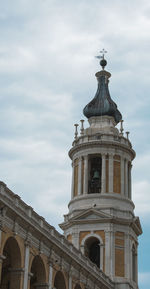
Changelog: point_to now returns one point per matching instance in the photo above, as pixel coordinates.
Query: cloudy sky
(47, 68)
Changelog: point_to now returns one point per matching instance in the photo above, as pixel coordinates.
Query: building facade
(100, 243)
(101, 221)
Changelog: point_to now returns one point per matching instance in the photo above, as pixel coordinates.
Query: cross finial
(103, 62)
(103, 52)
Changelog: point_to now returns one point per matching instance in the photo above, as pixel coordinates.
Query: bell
(96, 175)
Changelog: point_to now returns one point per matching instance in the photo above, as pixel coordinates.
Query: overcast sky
(47, 76)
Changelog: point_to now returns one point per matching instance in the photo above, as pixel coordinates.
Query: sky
(47, 76)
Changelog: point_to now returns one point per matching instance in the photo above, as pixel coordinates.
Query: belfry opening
(95, 168)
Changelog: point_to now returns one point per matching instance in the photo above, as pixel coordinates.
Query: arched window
(92, 250)
(134, 264)
(11, 265)
(59, 282)
(95, 167)
(38, 274)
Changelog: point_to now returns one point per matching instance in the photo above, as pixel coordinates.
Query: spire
(102, 104)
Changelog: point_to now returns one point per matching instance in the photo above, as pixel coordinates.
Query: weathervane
(103, 62)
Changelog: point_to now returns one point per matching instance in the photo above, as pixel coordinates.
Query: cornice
(106, 144)
(102, 196)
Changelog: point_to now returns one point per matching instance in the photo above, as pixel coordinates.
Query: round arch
(59, 281)
(92, 247)
(38, 272)
(11, 267)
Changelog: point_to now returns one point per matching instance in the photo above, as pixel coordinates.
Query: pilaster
(72, 185)
(103, 191)
(50, 275)
(70, 281)
(111, 174)
(107, 252)
(126, 178)
(85, 181)
(80, 176)
(127, 256)
(122, 176)
(129, 185)
(26, 266)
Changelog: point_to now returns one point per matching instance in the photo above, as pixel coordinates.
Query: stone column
(80, 177)
(126, 178)
(26, 266)
(50, 275)
(127, 256)
(75, 238)
(102, 257)
(70, 281)
(85, 181)
(112, 253)
(122, 176)
(130, 258)
(72, 185)
(103, 180)
(107, 252)
(129, 186)
(111, 173)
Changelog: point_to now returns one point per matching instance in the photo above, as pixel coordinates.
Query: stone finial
(127, 134)
(121, 127)
(76, 130)
(82, 127)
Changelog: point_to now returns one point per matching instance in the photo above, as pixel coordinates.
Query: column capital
(111, 155)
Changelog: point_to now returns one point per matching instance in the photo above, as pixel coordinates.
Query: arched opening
(95, 168)
(134, 263)
(59, 282)
(11, 268)
(92, 250)
(38, 274)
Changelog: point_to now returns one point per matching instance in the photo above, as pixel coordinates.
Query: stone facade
(106, 215)
(101, 221)
(34, 255)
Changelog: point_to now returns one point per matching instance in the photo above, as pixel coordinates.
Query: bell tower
(101, 221)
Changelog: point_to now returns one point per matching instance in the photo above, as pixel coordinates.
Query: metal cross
(103, 51)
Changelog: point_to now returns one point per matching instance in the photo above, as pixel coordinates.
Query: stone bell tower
(101, 221)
